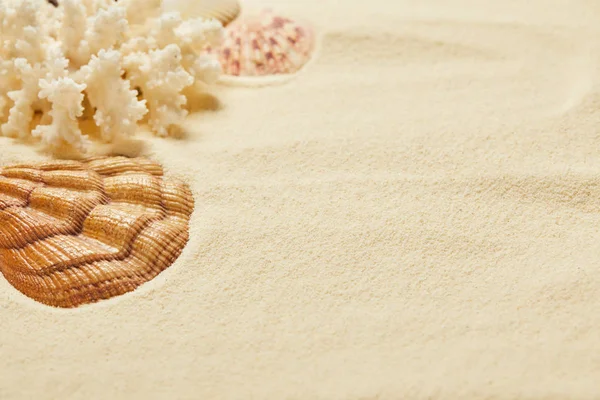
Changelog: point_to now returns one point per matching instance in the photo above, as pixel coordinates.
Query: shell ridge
(121, 254)
(63, 265)
(7, 201)
(172, 250)
(124, 252)
(119, 165)
(69, 226)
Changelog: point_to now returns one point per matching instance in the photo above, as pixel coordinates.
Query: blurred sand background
(416, 215)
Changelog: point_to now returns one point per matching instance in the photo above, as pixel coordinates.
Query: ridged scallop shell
(223, 10)
(77, 232)
(265, 44)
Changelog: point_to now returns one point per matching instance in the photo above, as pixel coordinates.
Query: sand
(417, 215)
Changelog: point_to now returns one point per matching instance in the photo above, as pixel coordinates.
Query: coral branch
(117, 108)
(67, 98)
(161, 78)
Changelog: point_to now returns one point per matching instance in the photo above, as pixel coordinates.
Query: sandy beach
(415, 216)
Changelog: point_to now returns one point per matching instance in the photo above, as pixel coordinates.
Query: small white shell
(223, 10)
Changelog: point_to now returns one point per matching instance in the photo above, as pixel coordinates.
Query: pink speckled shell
(265, 44)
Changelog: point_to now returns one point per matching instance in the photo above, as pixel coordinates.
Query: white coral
(66, 96)
(117, 107)
(83, 36)
(161, 78)
(191, 36)
(20, 31)
(96, 53)
(19, 38)
(21, 114)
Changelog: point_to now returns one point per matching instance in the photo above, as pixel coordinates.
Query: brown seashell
(73, 233)
(224, 11)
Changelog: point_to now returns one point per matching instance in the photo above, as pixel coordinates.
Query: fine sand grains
(416, 215)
